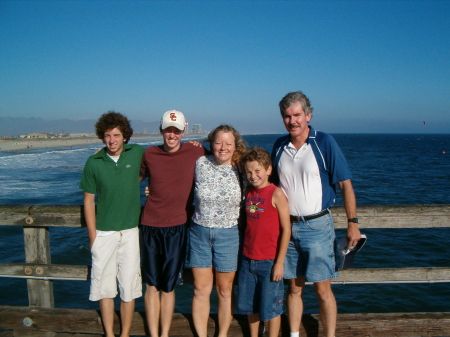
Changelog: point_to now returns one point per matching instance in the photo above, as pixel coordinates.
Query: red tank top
(263, 225)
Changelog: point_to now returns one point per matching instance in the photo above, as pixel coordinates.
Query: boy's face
(114, 141)
(172, 138)
(257, 175)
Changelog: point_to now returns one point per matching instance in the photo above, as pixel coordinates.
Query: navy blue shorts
(163, 254)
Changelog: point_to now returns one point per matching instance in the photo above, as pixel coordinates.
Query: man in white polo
(308, 165)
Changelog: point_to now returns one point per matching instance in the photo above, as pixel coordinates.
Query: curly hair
(259, 155)
(111, 120)
(238, 141)
(291, 98)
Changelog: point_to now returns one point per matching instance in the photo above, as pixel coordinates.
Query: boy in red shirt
(266, 239)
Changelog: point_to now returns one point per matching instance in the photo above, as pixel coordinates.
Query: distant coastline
(19, 144)
(24, 144)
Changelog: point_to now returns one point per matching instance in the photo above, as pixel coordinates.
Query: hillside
(15, 126)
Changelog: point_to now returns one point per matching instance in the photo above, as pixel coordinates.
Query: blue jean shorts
(213, 247)
(311, 251)
(256, 292)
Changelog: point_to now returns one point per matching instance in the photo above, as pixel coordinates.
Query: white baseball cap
(173, 118)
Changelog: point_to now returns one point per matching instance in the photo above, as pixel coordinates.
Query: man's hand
(348, 195)
(353, 235)
(194, 142)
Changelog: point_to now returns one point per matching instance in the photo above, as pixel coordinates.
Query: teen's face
(172, 138)
(295, 120)
(223, 147)
(257, 175)
(114, 141)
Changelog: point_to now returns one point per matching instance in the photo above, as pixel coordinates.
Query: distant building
(196, 129)
(82, 134)
(46, 135)
(35, 135)
(59, 135)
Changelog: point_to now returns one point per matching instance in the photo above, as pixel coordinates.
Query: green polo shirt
(116, 187)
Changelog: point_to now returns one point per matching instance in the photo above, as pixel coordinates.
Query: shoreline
(13, 145)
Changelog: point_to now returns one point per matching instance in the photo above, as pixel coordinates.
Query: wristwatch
(355, 220)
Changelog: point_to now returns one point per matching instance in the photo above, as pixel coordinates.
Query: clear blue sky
(367, 66)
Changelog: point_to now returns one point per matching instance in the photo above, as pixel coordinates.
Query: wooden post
(37, 250)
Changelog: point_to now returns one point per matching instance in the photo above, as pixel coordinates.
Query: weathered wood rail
(42, 319)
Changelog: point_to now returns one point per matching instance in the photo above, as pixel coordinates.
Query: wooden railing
(39, 271)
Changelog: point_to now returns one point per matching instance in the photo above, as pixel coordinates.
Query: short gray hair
(291, 98)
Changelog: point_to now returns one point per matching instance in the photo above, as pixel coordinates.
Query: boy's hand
(277, 272)
(147, 191)
(91, 241)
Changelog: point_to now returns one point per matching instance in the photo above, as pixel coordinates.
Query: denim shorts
(311, 251)
(213, 247)
(256, 292)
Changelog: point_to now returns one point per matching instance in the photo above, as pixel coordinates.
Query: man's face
(114, 141)
(295, 120)
(172, 138)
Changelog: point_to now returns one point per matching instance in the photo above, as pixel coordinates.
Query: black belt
(297, 218)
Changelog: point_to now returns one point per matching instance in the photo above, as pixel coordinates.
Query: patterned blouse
(217, 194)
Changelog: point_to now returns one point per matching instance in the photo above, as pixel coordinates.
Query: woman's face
(223, 147)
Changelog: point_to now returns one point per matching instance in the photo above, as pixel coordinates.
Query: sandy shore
(31, 144)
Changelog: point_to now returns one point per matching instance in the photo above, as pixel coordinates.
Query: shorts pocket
(94, 245)
(319, 224)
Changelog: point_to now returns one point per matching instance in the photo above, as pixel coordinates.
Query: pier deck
(40, 318)
(78, 322)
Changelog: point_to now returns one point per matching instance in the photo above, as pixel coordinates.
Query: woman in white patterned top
(214, 235)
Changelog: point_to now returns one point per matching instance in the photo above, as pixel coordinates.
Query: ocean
(388, 169)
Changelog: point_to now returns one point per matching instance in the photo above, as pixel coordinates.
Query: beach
(43, 143)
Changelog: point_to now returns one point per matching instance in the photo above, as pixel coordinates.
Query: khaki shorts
(115, 259)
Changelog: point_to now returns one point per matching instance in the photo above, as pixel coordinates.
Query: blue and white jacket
(331, 162)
